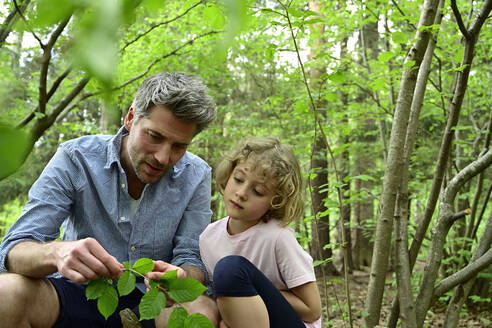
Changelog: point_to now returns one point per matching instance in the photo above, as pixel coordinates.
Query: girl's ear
(276, 202)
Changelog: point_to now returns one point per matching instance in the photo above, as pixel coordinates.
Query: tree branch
(45, 63)
(154, 26)
(20, 9)
(459, 20)
(465, 274)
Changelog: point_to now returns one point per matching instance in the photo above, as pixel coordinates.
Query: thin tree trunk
(446, 219)
(319, 165)
(403, 302)
(392, 176)
(462, 291)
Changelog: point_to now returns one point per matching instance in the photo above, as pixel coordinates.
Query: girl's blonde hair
(277, 163)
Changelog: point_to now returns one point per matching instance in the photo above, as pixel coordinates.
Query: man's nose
(163, 154)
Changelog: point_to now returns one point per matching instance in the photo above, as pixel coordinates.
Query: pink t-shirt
(273, 249)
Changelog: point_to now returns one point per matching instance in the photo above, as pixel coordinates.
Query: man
(118, 198)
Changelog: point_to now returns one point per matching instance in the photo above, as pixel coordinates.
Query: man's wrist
(193, 272)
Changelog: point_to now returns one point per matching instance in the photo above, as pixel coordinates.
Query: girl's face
(247, 195)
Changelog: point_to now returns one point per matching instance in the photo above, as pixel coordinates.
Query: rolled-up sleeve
(195, 219)
(50, 201)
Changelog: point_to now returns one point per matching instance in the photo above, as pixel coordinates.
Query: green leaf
(185, 289)
(127, 265)
(49, 12)
(177, 318)
(13, 147)
(126, 283)
(399, 37)
(151, 304)
(385, 56)
(96, 289)
(143, 265)
(168, 277)
(409, 63)
(108, 302)
(197, 320)
(214, 16)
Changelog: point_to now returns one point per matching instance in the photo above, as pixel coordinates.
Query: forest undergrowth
(471, 317)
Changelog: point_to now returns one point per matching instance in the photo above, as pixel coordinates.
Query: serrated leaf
(168, 277)
(185, 289)
(96, 288)
(151, 304)
(177, 318)
(126, 283)
(108, 302)
(143, 265)
(198, 320)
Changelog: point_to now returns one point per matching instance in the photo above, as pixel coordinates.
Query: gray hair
(185, 95)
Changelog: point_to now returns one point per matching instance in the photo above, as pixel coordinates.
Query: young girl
(261, 275)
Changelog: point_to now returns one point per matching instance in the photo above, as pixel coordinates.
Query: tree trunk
(445, 220)
(392, 176)
(404, 265)
(319, 165)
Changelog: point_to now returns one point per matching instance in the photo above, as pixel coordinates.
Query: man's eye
(237, 180)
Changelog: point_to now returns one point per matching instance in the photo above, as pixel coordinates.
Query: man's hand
(84, 260)
(160, 268)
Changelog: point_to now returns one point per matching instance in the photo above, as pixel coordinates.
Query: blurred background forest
(387, 104)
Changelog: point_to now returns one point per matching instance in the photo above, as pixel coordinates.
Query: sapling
(154, 300)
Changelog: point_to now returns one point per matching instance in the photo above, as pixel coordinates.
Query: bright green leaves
(143, 265)
(107, 302)
(185, 289)
(95, 25)
(126, 283)
(13, 147)
(399, 37)
(213, 15)
(179, 318)
(103, 291)
(154, 301)
(197, 320)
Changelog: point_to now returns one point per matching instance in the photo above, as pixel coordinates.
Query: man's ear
(129, 119)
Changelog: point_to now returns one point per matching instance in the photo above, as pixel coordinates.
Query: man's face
(155, 143)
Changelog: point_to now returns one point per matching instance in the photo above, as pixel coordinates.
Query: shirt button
(123, 218)
(133, 248)
(123, 185)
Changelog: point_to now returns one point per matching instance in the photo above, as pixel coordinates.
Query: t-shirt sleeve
(294, 263)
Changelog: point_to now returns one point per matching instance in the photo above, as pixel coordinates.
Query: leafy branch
(154, 301)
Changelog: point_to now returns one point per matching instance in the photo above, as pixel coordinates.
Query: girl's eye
(237, 180)
(258, 193)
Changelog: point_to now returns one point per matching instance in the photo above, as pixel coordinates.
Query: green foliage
(13, 147)
(154, 301)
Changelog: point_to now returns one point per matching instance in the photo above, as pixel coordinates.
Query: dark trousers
(235, 276)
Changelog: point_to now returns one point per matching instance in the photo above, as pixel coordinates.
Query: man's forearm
(32, 259)
(194, 272)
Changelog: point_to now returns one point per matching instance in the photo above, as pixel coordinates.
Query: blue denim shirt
(84, 189)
